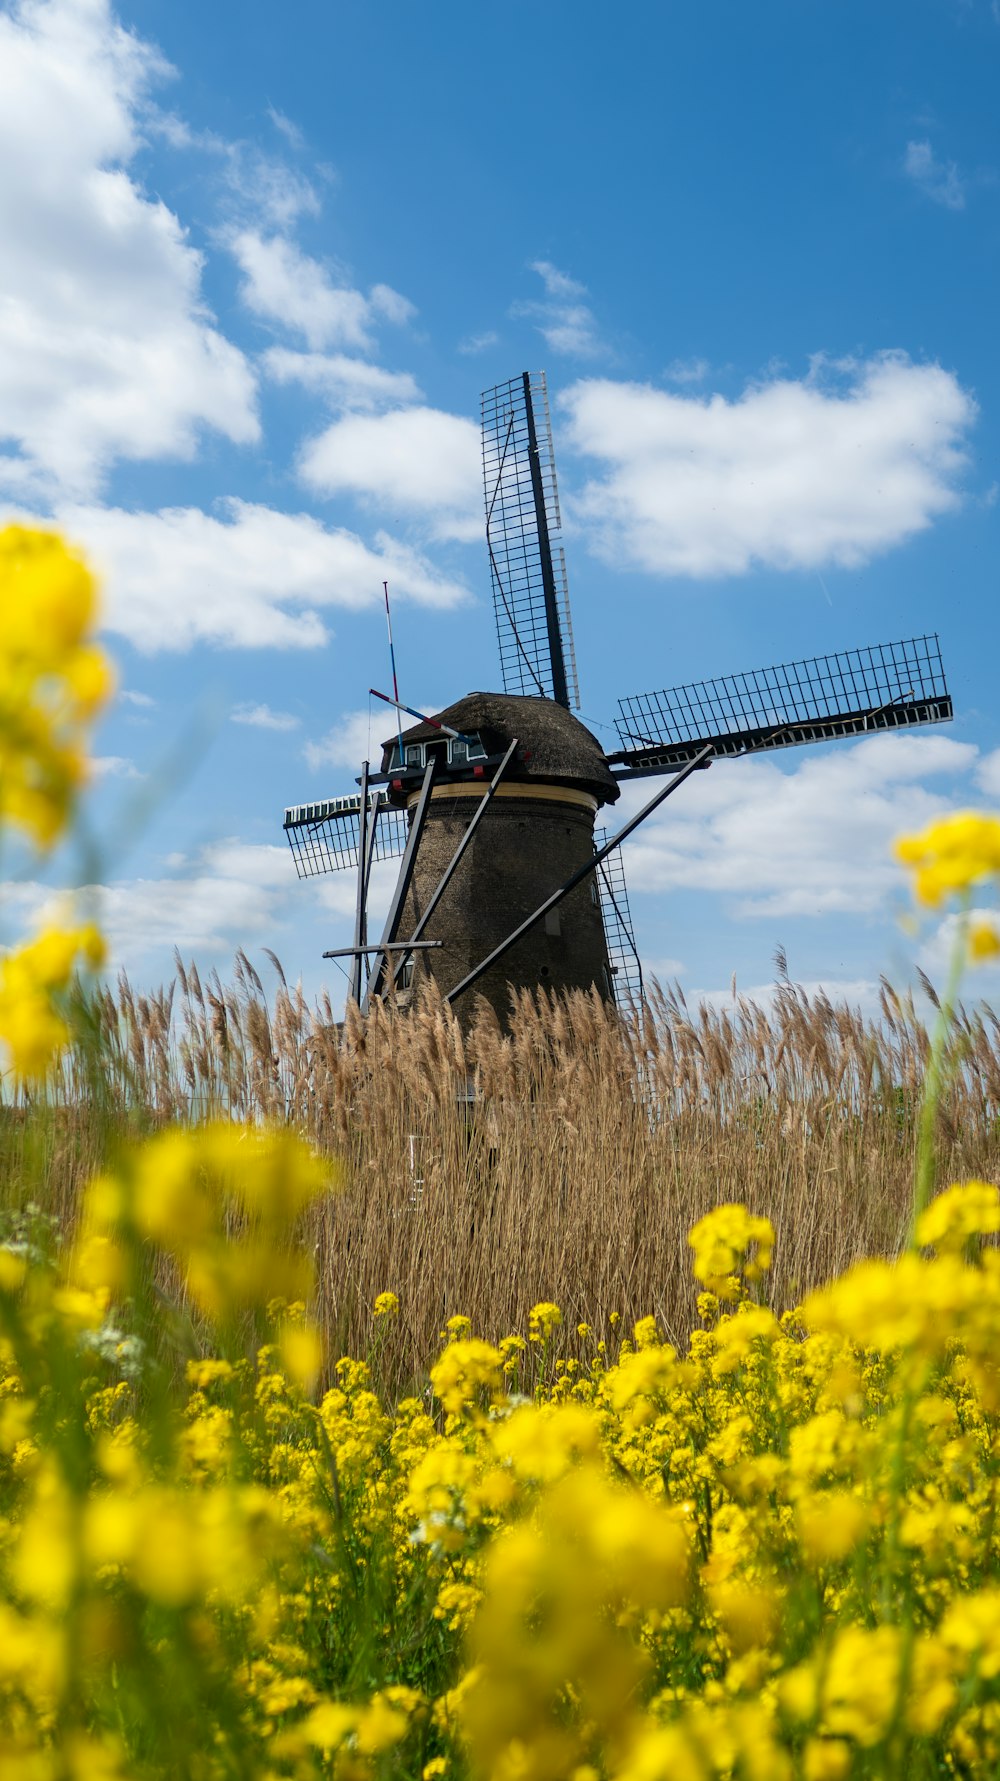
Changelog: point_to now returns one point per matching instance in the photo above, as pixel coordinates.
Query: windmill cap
(554, 745)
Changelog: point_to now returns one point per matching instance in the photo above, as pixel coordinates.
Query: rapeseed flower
(951, 855)
(53, 680)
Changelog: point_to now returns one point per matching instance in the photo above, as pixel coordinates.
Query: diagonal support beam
(391, 928)
(702, 759)
(456, 857)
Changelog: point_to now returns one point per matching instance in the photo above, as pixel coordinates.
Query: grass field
(583, 1144)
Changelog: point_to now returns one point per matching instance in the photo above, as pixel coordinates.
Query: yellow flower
(301, 1348)
(967, 1209)
(951, 855)
(386, 1305)
(34, 982)
(984, 941)
(52, 681)
(723, 1241)
(463, 1370)
(861, 1684)
(830, 1524)
(543, 1318)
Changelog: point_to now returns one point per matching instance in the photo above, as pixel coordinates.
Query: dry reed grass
(565, 1160)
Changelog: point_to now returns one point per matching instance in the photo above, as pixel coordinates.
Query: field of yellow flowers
(770, 1550)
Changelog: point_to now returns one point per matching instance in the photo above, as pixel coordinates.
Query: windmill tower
(506, 878)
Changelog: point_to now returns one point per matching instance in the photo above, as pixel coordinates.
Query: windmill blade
(626, 968)
(887, 686)
(523, 533)
(326, 837)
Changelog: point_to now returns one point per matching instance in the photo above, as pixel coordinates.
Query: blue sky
(259, 263)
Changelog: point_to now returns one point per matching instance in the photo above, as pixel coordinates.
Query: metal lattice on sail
(887, 686)
(523, 533)
(325, 836)
(626, 970)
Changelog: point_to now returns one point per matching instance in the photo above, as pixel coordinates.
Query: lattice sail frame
(886, 686)
(520, 556)
(326, 836)
(623, 955)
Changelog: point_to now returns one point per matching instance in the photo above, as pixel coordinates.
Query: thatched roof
(554, 745)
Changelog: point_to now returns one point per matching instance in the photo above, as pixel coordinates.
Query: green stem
(925, 1171)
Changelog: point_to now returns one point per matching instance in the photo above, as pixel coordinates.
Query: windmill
(491, 804)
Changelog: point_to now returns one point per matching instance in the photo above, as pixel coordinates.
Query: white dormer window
(462, 749)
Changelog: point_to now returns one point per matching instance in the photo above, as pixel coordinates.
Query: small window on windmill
(465, 748)
(595, 895)
(405, 978)
(414, 754)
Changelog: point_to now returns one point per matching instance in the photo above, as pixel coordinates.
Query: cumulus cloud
(833, 468)
(391, 306)
(988, 773)
(245, 576)
(229, 894)
(358, 736)
(811, 840)
(346, 383)
(419, 459)
(261, 717)
(564, 319)
(938, 180)
(106, 348)
(282, 284)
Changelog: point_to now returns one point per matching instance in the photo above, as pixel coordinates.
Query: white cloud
(938, 180)
(245, 576)
(114, 766)
(142, 701)
(354, 738)
(287, 128)
(284, 285)
(791, 475)
(345, 382)
(106, 348)
(391, 306)
(687, 371)
(566, 323)
(359, 735)
(812, 840)
(261, 717)
(475, 343)
(419, 459)
(230, 894)
(988, 774)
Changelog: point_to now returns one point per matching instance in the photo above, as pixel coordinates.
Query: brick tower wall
(528, 843)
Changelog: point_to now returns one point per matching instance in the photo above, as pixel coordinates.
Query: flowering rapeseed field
(771, 1552)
